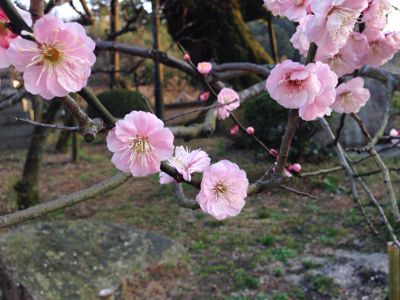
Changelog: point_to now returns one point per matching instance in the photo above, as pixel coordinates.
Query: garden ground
(275, 249)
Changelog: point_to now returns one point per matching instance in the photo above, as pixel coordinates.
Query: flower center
(3, 28)
(51, 55)
(140, 145)
(341, 21)
(336, 60)
(220, 189)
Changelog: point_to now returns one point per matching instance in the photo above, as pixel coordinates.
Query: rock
(357, 273)
(76, 259)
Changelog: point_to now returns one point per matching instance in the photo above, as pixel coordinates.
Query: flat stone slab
(76, 259)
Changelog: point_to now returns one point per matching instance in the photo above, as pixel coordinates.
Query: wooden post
(157, 68)
(394, 271)
(115, 58)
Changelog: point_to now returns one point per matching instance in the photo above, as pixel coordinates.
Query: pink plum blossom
(395, 133)
(292, 9)
(332, 22)
(165, 178)
(223, 190)
(250, 130)
(186, 57)
(299, 39)
(375, 16)
(234, 130)
(382, 47)
(350, 56)
(139, 143)
(7, 36)
(204, 68)
(351, 96)
(187, 162)
(292, 84)
(311, 88)
(58, 62)
(228, 101)
(320, 106)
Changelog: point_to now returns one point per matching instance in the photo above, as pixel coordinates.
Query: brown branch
(287, 138)
(183, 200)
(88, 127)
(36, 9)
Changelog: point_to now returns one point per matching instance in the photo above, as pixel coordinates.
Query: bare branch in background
(13, 99)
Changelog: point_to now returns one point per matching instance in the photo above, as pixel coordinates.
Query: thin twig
(51, 126)
(292, 190)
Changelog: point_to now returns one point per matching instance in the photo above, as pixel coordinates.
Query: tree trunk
(62, 142)
(157, 67)
(28, 187)
(216, 30)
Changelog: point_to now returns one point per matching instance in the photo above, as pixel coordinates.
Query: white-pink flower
(58, 62)
(350, 56)
(292, 84)
(139, 143)
(292, 9)
(332, 22)
(187, 162)
(228, 100)
(299, 39)
(223, 190)
(311, 88)
(204, 68)
(320, 106)
(351, 96)
(382, 47)
(375, 16)
(395, 133)
(7, 36)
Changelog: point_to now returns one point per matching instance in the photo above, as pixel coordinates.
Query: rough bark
(214, 30)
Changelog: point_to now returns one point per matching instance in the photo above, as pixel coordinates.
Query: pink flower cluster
(332, 25)
(311, 88)
(139, 144)
(58, 62)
